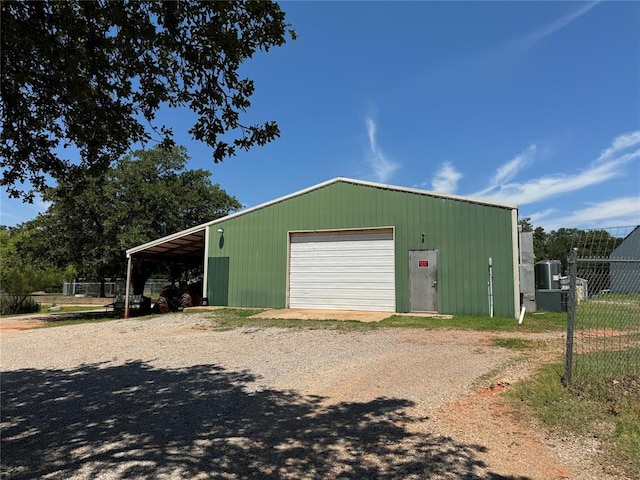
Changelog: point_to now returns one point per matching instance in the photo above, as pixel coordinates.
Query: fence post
(571, 317)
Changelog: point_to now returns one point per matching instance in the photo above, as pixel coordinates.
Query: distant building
(582, 287)
(625, 264)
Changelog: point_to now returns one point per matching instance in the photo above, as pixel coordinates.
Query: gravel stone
(171, 397)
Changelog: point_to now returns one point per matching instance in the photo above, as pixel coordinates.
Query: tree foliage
(525, 224)
(93, 75)
(155, 195)
(147, 195)
(18, 279)
(557, 244)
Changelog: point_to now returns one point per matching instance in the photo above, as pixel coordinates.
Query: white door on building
(345, 270)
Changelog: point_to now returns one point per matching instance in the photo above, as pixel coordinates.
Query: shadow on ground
(139, 421)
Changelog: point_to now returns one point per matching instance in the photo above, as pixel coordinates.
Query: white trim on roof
(428, 193)
(203, 226)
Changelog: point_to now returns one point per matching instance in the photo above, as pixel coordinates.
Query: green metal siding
(465, 235)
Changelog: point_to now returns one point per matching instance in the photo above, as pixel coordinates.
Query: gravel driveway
(172, 398)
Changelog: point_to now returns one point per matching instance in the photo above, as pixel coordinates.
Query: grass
(231, 318)
(532, 323)
(63, 309)
(594, 373)
(76, 315)
(620, 314)
(84, 314)
(44, 308)
(604, 412)
(624, 297)
(76, 321)
(518, 343)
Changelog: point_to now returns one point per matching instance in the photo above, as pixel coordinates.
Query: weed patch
(234, 318)
(612, 418)
(518, 343)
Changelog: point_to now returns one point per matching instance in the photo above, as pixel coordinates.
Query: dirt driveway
(173, 398)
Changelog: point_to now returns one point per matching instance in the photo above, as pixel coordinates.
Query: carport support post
(126, 292)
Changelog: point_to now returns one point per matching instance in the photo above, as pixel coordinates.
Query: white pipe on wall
(520, 320)
(490, 287)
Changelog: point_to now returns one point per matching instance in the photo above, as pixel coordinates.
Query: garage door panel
(353, 271)
(342, 284)
(366, 272)
(340, 289)
(347, 303)
(344, 292)
(327, 278)
(319, 258)
(360, 252)
(339, 304)
(336, 306)
(311, 242)
(333, 237)
(322, 262)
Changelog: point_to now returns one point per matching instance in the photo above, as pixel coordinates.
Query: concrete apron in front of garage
(309, 314)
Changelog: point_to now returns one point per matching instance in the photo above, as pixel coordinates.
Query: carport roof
(189, 244)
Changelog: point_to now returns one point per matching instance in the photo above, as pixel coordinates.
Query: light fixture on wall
(221, 231)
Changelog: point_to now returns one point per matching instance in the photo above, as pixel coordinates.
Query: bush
(10, 304)
(19, 279)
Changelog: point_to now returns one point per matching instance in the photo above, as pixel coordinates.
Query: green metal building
(354, 245)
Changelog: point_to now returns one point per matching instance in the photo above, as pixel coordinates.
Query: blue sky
(529, 103)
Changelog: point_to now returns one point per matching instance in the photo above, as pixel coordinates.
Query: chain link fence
(603, 324)
(111, 289)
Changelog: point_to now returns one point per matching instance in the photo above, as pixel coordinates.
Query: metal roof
(189, 243)
(186, 246)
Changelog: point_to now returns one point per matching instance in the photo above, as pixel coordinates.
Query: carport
(187, 247)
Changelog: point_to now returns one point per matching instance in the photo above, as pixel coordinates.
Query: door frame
(437, 295)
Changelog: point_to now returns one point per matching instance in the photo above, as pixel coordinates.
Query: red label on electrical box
(423, 263)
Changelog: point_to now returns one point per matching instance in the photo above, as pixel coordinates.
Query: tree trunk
(140, 273)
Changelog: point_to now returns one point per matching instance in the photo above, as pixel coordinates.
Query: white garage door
(348, 270)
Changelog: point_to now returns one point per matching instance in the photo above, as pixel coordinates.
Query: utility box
(552, 300)
(548, 274)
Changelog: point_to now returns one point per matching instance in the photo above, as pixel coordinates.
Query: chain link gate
(603, 315)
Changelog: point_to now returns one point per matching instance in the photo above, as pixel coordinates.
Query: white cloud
(382, 167)
(620, 143)
(509, 170)
(610, 164)
(505, 52)
(617, 212)
(446, 179)
(528, 41)
(534, 37)
(538, 217)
